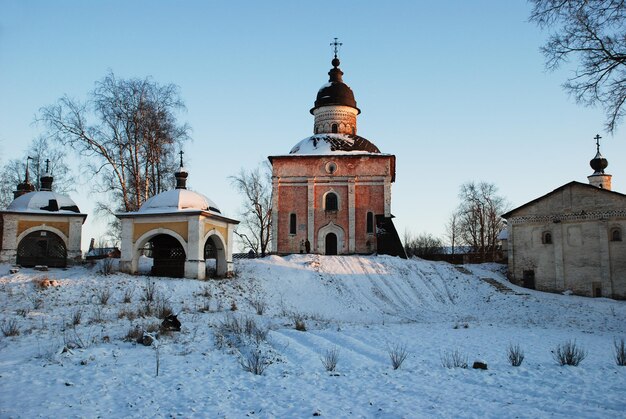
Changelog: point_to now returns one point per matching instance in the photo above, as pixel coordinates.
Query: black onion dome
(334, 143)
(335, 92)
(599, 163)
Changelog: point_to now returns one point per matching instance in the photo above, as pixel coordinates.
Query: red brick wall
(293, 199)
(367, 198)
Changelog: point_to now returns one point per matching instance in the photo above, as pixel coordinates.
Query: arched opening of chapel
(42, 247)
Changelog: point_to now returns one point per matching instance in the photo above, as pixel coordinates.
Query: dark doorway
(168, 256)
(42, 248)
(529, 279)
(211, 256)
(331, 244)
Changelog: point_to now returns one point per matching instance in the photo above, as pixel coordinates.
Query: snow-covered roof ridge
(44, 202)
(177, 200)
(320, 144)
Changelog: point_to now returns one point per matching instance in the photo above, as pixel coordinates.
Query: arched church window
(334, 128)
(292, 223)
(546, 238)
(370, 222)
(616, 235)
(331, 202)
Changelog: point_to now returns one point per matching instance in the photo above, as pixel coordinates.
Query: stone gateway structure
(332, 192)
(182, 230)
(571, 238)
(41, 227)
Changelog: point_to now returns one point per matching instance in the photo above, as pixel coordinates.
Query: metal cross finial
(597, 138)
(336, 46)
(181, 157)
(47, 165)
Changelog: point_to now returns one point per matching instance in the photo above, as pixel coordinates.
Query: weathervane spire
(181, 157)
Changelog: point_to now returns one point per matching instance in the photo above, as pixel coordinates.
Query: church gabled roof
(573, 184)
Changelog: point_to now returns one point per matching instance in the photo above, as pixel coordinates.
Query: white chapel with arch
(182, 229)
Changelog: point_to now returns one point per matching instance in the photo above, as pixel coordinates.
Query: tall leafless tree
(13, 171)
(452, 231)
(594, 33)
(127, 132)
(256, 187)
(478, 217)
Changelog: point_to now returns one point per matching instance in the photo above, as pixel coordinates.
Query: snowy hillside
(76, 353)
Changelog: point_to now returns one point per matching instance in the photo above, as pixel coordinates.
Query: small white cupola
(598, 164)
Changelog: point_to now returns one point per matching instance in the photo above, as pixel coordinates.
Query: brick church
(332, 192)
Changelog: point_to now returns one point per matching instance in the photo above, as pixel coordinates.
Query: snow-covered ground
(358, 306)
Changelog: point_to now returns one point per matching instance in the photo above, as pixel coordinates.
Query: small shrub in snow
(97, 316)
(149, 291)
(330, 358)
(205, 306)
(453, 359)
(152, 327)
(128, 295)
(134, 334)
(76, 317)
(254, 361)
(515, 355)
(105, 266)
(620, 352)
(163, 308)
(72, 339)
(259, 306)
(129, 314)
(10, 328)
(22, 312)
(397, 354)
(569, 353)
(237, 332)
(298, 320)
(103, 295)
(206, 292)
(233, 306)
(36, 302)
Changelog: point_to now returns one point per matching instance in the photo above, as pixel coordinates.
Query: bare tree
(12, 172)
(423, 245)
(593, 32)
(128, 132)
(256, 187)
(478, 217)
(452, 231)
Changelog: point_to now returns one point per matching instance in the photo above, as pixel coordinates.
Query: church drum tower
(332, 192)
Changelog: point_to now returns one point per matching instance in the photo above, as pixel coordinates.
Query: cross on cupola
(46, 179)
(181, 174)
(599, 178)
(336, 45)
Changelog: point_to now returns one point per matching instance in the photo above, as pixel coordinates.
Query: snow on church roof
(321, 144)
(43, 202)
(177, 200)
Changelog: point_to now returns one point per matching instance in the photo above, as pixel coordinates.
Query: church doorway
(331, 244)
(42, 248)
(168, 256)
(528, 279)
(215, 257)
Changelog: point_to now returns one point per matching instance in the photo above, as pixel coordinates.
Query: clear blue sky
(455, 89)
